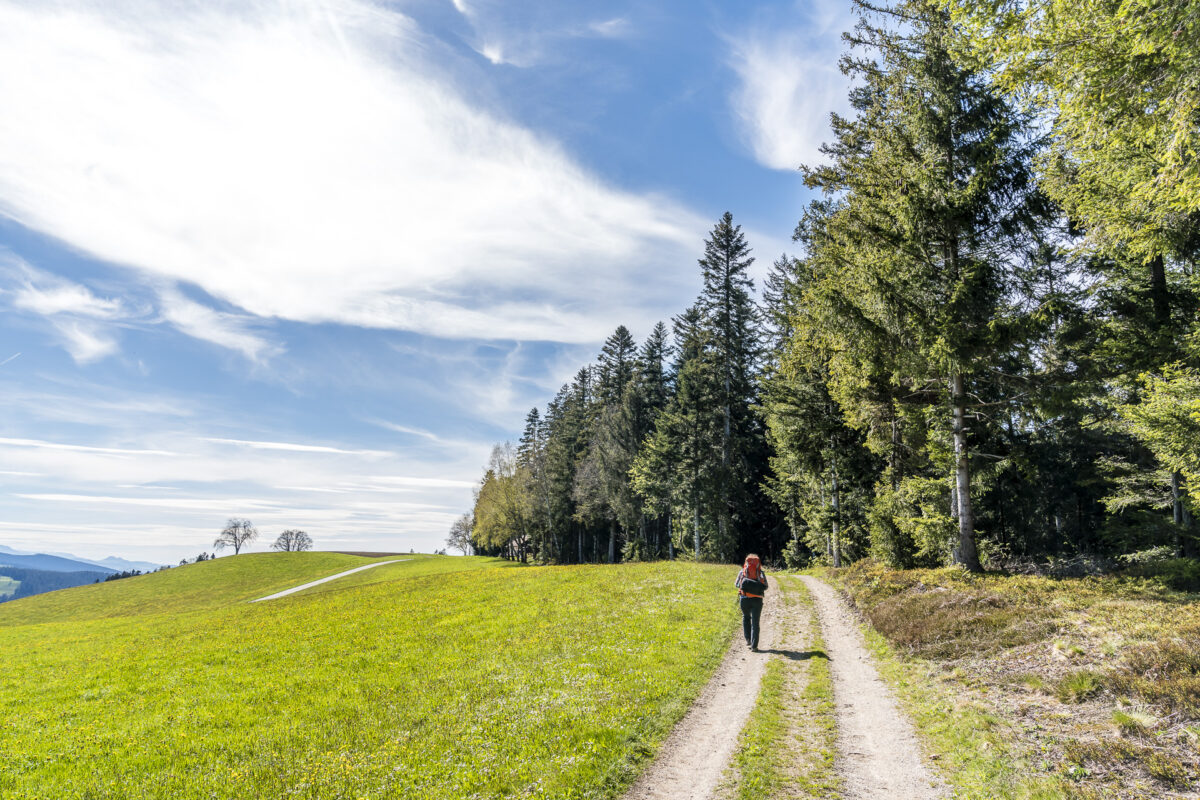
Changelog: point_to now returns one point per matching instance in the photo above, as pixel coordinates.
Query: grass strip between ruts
(787, 748)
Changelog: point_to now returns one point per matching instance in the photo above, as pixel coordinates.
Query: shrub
(1180, 574)
(1165, 672)
(1075, 687)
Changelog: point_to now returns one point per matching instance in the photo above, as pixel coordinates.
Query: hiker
(751, 584)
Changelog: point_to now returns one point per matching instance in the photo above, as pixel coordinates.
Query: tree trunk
(696, 527)
(612, 541)
(828, 536)
(722, 520)
(835, 498)
(1177, 509)
(965, 553)
(1189, 539)
(1160, 299)
(670, 539)
(894, 456)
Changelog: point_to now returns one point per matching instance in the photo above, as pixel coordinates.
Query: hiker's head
(752, 564)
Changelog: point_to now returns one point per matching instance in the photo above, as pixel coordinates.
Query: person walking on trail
(751, 584)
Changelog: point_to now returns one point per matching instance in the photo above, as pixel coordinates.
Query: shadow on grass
(797, 655)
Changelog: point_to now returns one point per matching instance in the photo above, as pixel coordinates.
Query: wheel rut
(692, 760)
(878, 754)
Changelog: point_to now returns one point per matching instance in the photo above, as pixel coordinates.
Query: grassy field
(439, 677)
(8, 586)
(1031, 687)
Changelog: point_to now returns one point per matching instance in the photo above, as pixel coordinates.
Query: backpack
(753, 585)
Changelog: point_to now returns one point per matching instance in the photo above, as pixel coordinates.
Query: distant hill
(48, 563)
(29, 582)
(120, 564)
(115, 563)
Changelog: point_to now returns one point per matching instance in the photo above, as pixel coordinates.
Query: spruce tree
(730, 321)
(602, 491)
(617, 361)
(675, 471)
(931, 202)
(817, 460)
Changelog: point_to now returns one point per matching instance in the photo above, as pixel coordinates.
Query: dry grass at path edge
(1093, 683)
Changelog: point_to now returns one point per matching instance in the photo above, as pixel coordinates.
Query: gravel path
(692, 759)
(878, 753)
(311, 584)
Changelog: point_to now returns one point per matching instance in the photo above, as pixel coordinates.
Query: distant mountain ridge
(123, 564)
(111, 563)
(48, 563)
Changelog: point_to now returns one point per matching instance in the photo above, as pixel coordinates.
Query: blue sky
(306, 261)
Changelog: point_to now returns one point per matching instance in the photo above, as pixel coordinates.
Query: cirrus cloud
(307, 161)
(790, 83)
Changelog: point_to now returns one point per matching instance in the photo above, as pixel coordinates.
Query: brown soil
(878, 752)
(690, 764)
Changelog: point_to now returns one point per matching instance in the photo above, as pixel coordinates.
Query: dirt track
(878, 753)
(691, 761)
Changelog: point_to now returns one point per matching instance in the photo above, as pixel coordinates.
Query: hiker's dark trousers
(751, 614)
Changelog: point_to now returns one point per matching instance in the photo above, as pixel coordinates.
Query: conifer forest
(985, 352)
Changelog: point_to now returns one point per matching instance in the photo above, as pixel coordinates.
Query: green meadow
(436, 677)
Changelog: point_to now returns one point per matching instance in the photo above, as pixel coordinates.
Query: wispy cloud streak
(790, 83)
(312, 167)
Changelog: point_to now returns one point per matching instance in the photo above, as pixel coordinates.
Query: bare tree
(460, 534)
(292, 541)
(237, 533)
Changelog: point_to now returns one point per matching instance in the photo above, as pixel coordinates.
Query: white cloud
(298, 448)
(85, 341)
(611, 28)
(226, 330)
(86, 324)
(66, 297)
(789, 84)
(81, 321)
(80, 448)
(165, 503)
(531, 34)
(306, 161)
(408, 480)
(493, 52)
(406, 429)
(78, 402)
(148, 498)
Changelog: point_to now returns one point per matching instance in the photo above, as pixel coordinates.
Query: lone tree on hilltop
(237, 533)
(293, 541)
(460, 534)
